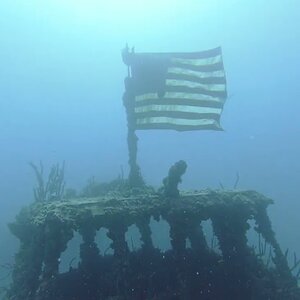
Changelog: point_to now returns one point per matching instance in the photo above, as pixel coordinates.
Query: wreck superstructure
(181, 91)
(194, 272)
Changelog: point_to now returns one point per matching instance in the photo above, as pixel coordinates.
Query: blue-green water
(61, 86)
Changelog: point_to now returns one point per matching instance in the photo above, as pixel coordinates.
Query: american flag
(180, 91)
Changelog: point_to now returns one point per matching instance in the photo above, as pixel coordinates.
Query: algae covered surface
(135, 204)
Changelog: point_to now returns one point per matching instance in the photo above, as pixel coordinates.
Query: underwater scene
(149, 150)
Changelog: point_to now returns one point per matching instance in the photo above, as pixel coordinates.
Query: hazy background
(61, 85)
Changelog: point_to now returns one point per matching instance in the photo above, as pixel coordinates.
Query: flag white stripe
(178, 108)
(198, 61)
(184, 71)
(176, 121)
(190, 84)
(179, 95)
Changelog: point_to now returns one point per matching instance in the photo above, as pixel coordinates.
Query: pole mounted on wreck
(135, 178)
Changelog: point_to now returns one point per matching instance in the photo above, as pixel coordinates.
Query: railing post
(57, 234)
(28, 260)
(143, 224)
(89, 251)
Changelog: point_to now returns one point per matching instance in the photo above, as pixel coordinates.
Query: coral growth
(53, 189)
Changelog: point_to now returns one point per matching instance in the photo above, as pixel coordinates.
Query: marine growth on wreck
(190, 269)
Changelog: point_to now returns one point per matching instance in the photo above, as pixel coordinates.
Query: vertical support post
(89, 252)
(231, 233)
(28, 260)
(230, 227)
(135, 178)
(196, 235)
(57, 235)
(178, 232)
(116, 232)
(264, 227)
(178, 236)
(143, 224)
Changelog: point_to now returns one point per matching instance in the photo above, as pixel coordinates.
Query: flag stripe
(187, 102)
(177, 124)
(176, 121)
(215, 127)
(196, 55)
(184, 71)
(190, 90)
(179, 99)
(197, 62)
(178, 115)
(201, 77)
(178, 111)
(204, 80)
(184, 89)
(179, 95)
(191, 84)
(203, 68)
(178, 108)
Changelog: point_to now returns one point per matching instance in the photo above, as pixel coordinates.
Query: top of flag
(181, 91)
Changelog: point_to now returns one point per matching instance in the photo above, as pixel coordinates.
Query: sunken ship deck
(196, 271)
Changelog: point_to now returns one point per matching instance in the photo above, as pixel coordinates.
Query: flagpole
(135, 178)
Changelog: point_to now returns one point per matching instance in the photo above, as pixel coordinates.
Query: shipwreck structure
(235, 271)
(180, 91)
